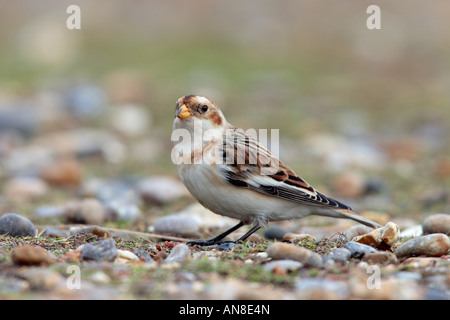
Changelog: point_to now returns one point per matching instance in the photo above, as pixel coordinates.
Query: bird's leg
(248, 234)
(217, 239)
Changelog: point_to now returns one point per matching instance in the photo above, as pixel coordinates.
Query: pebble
(161, 190)
(179, 254)
(44, 212)
(433, 245)
(18, 118)
(143, 255)
(283, 251)
(356, 230)
(103, 250)
(382, 238)
(120, 190)
(275, 232)
(380, 258)
(25, 188)
(42, 278)
(437, 223)
(132, 120)
(293, 237)
(341, 255)
(32, 256)
(124, 256)
(285, 265)
(122, 211)
(63, 172)
(415, 231)
(85, 100)
(423, 262)
(176, 224)
(87, 211)
(205, 218)
(17, 226)
(358, 250)
(55, 233)
(321, 289)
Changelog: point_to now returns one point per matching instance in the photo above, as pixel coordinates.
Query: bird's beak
(183, 112)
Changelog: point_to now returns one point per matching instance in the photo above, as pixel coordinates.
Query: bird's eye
(205, 108)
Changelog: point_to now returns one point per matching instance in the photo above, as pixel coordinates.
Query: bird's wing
(244, 163)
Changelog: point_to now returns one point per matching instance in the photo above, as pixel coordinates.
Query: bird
(231, 173)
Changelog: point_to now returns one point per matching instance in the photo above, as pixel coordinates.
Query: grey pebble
(16, 225)
(103, 250)
(338, 254)
(176, 224)
(161, 190)
(358, 250)
(319, 288)
(143, 254)
(118, 211)
(275, 232)
(55, 233)
(43, 212)
(180, 253)
(226, 246)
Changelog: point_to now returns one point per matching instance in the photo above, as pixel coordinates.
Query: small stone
(275, 232)
(103, 250)
(380, 258)
(433, 245)
(321, 289)
(32, 256)
(119, 211)
(382, 238)
(341, 255)
(358, 250)
(179, 254)
(437, 223)
(55, 233)
(100, 277)
(143, 255)
(226, 246)
(64, 172)
(357, 230)
(415, 231)
(41, 278)
(25, 188)
(132, 120)
(176, 224)
(286, 265)
(283, 251)
(88, 211)
(16, 226)
(293, 237)
(124, 256)
(45, 212)
(423, 262)
(161, 190)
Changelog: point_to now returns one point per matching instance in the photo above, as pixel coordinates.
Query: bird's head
(195, 110)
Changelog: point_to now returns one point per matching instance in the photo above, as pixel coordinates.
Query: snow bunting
(232, 174)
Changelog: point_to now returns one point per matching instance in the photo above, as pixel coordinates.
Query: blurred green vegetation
(300, 66)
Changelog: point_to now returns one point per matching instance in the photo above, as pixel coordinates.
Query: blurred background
(364, 115)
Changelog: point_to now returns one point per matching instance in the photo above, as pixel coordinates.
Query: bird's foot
(220, 244)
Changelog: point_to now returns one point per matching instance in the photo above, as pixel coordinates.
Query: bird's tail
(349, 214)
